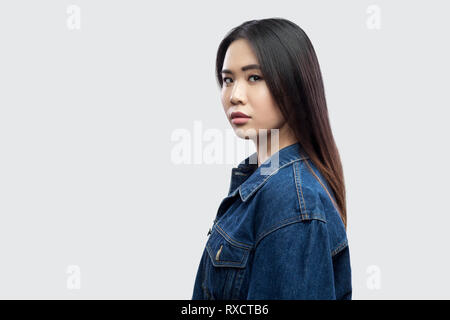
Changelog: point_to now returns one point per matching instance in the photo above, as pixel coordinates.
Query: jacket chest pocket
(225, 267)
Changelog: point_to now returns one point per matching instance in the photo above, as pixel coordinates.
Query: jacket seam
(297, 184)
(270, 175)
(283, 223)
(323, 186)
(334, 252)
(339, 248)
(231, 240)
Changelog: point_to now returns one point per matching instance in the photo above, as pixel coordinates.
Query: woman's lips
(238, 117)
(240, 120)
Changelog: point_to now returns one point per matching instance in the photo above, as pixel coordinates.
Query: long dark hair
(291, 70)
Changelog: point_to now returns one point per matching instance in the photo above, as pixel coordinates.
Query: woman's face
(244, 90)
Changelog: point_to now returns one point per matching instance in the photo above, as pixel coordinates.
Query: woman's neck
(273, 143)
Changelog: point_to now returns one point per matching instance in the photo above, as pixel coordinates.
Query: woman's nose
(237, 95)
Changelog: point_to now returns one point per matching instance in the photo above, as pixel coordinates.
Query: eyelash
(253, 75)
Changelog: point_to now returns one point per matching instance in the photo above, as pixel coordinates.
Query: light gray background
(86, 117)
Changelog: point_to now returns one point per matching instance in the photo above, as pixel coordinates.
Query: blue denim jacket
(277, 235)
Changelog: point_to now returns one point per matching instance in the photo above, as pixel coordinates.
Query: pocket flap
(223, 253)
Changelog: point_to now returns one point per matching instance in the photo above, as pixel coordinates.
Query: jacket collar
(247, 177)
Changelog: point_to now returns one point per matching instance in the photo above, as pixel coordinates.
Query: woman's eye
(254, 75)
(225, 79)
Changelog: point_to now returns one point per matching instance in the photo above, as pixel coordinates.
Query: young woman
(281, 231)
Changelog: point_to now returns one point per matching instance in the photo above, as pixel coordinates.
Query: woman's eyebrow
(244, 68)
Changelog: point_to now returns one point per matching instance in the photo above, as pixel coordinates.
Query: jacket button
(209, 232)
(218, 252)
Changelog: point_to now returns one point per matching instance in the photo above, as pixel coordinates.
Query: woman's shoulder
(291, 191)
(298, 193)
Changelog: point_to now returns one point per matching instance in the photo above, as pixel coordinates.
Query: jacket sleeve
(296, 262)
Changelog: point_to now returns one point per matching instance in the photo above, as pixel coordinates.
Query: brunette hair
(291, 70)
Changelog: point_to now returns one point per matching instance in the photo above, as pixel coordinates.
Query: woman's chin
(243, 133)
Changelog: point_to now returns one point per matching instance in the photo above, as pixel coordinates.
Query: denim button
(218, 253)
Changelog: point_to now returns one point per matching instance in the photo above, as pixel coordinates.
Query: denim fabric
(276, 235)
